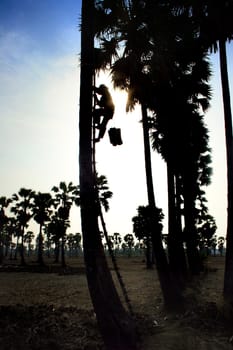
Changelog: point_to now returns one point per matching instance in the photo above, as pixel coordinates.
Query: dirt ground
(52, 309)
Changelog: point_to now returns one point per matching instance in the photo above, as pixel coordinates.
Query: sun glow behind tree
(39, 126)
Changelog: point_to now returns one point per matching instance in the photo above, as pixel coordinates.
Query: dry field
(52, 309)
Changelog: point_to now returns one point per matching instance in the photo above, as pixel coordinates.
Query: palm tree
(215, 24)
(117, 241)
(41, 213)
(131, 72)
(185, 86)
(206, 232)
(55, 231)
(77, 243)
(142, 228)
(48, 242)
(65, 194)
(221, 241)
(4, 202)
(23, 212)
(10, 230)
(103, 191)
(115, 324)
(28, 238)
(74, 243)
(15, 226)
(129, 240)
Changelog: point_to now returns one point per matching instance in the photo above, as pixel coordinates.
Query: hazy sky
(39, 100)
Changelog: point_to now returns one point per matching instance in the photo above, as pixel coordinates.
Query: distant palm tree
(4, 202)
(28, 238)
(10, 230)
(22, 208)
(56, 231)
(42, 203)
(77, 243)
(142, 228)
(48, 242)
(129, 240)
(64, 196)
(74, 243)
(117, 241)
(221, 241)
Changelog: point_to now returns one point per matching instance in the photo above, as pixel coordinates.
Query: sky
(39, 109)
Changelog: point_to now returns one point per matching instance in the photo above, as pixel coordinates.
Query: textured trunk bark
(149, 256)
(63, 262)
(17, 247)
(40, 247)
(176, 252)
(22, 250)
(116, 326)
(228, 279)
(191, 238)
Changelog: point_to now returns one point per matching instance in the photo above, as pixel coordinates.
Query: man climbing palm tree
(106, 109)
(116, 326)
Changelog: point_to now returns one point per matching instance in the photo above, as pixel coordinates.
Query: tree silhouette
(221, 241)
(22, 208)
(28, 238)
(4, 202)
(104, 193)
(42, 203)
(115, 325)
(142, 227)
(215, 29)
(131, 72)
(56, 230)
(129, 240)
(64, 196)
(116, 241)
(187, 90)
(74, 243)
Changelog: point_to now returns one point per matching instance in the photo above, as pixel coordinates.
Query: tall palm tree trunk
(22, 249)
(228, 279)
(56, 251)
(40, 247)
(17, 247)
(191, 237)
(115, 324)
(63, 260)
(176, 254)
(170, 292)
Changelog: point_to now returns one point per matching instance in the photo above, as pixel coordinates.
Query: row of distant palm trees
(158, 51)
(10, 248)
(46, 209)
(51, 211)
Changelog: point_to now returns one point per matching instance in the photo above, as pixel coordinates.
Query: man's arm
(96, 100)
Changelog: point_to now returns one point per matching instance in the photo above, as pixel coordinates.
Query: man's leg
(96, 116)
(103, 126)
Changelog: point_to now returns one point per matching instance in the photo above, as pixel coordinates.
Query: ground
(51, 309)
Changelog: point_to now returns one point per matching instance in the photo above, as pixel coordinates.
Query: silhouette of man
(105, 110)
